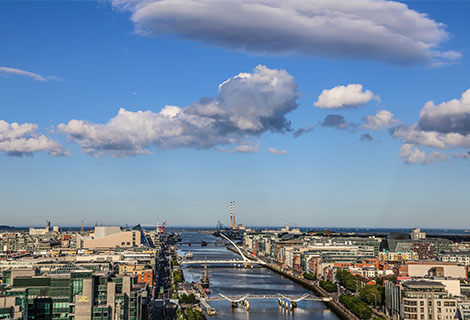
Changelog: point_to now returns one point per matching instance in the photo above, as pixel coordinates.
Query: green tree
(190, 314)
(174, 261)
(177, 276)
(310, 276)
(329, 286)
(347, 280)
(188, 298)
(371, 294)
(198, 315)
(180, 314)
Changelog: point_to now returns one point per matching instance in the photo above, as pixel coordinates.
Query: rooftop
(422, 284)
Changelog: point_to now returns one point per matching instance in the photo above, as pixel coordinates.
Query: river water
(239, 281)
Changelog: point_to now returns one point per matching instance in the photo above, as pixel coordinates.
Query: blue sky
(83, 61)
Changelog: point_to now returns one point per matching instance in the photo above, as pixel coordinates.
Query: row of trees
(367, 295)
(356, 305)
(177, 276)
(194, 314)
(174, 261)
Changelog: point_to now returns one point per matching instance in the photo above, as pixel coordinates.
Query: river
(238, 281)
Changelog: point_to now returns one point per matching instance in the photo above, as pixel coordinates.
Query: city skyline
(139, 112)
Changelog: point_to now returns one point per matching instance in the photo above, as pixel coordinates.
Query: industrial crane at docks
(161, 227)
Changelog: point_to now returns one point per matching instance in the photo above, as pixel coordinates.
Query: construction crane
(220, 226)
(161, 228)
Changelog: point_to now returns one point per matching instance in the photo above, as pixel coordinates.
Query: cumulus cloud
(276, 151)
(24, 139)
(412, 154)
(366, 137)
(444, 126)
(361, 29)
(246, 106)
(301, 131)
(448, 117)
(351, 95)
(34, 76)
(382, 120)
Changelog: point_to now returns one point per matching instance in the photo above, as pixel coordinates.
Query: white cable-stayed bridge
(244, 261)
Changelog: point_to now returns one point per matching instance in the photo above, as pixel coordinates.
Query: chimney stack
(231, 215)
(234, 224)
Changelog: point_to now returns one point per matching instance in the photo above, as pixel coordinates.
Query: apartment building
(462, 257)
(427, 300)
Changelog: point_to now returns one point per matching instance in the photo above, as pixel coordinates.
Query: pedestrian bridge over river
(287, 302)
(249, 296)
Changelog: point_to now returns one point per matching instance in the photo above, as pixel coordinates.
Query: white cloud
(447, 117)
(24, 139)
(360, 29)
(351, 95)
(276, 151)
(244, 148)
(412, 154)
(247, 106)
(444, 126)
(382, 120)
(35, 76)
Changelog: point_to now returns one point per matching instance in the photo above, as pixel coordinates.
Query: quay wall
(333, 305)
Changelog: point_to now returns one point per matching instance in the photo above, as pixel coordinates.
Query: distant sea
(429, 231)
(363, 231)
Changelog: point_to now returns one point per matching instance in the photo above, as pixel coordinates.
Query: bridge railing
(248, 296)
